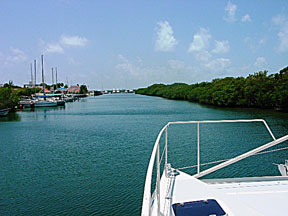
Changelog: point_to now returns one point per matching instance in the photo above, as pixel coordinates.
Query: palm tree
(9, 84)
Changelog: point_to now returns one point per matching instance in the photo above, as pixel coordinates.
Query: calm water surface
(90, 158)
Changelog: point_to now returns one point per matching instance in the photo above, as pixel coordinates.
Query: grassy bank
(257, 90)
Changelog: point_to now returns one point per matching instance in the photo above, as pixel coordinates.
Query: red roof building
(74, 89)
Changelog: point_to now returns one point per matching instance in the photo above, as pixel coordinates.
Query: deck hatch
(208, 207)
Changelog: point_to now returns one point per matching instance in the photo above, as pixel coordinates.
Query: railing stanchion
(198, 148)
(158, 179)
(166, 149)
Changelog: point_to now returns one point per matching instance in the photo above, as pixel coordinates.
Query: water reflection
(12, 116)
(42, 109)
(48, 109)
(32, 113)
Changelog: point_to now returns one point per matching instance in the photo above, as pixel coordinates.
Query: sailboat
(43, 101)
(56, 97)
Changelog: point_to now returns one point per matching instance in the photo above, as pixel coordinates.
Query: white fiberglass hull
(45, 104)
(178, 193)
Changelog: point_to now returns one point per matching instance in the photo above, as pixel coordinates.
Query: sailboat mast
(43, 75)
(31, 75)
(35, 75)
(56, 78)
(53, 80)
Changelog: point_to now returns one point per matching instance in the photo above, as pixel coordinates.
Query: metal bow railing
(148, 200)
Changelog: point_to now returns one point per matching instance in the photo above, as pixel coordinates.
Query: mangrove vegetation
(257, 90)
(10, 95)
(8, 98)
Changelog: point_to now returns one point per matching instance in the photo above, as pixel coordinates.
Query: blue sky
(131, 44)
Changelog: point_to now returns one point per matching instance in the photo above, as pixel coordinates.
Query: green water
(90, 158)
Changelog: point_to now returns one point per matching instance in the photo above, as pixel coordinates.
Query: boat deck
(177, 193)
(244, 196)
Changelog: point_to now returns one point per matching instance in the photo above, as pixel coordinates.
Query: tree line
(257, 90)
(8, 98)
(10, 94)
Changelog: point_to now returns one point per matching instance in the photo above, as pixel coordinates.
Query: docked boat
(58, 98)
(44, 103)
(68, 99)
(26, 103)
(4, 112)
(43, 100)
(59, 101)
(179, 193)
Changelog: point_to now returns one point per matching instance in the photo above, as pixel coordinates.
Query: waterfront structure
(46, 91)
(31, 85)
(74, 89)
(62, 90)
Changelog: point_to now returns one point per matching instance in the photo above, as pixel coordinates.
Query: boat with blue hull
(179, 193)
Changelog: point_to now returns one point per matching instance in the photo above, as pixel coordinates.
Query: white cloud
(246, 18)
(179, 71)
(16, 56)
(165, 39)
(200, 46)
(281, 21)
(140, 74)
(72, 61)
(262, 41)
(122, 58)
(203, 56)
(254, 44)
(200, 41)
(283, 37)
(260, 63)
(176, 64)
(63, 42)
(53, 48)
(127, 67)
(221, 47)
(75, 41)
(16, 51)
(218, 64)
(230, 12)
(139, 60)
(173, 71)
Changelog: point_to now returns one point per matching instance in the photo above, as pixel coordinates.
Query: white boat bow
(178, 193)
